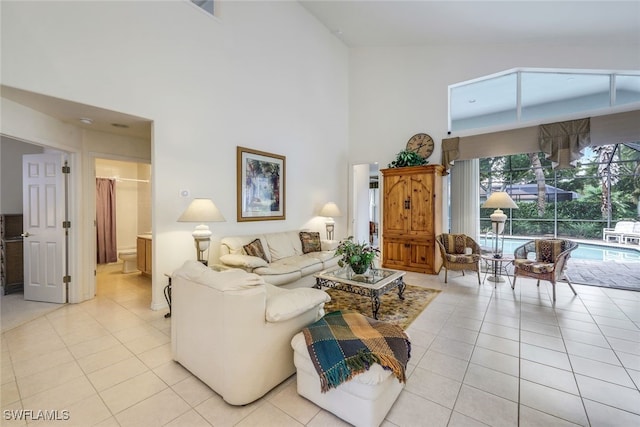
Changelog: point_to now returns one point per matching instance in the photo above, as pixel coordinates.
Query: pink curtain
(106, 220)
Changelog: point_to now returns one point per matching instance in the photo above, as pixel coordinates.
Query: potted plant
(359, 256)
(407, 158)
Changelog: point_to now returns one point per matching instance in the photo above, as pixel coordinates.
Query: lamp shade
(500, 200)
(330, 210)
(201, 210)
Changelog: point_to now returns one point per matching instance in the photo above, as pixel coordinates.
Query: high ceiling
(423, 22)
(410, 23)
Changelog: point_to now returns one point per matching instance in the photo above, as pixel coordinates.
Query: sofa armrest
(285, 304)
(246, 262)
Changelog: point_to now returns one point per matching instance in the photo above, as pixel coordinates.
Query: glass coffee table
(374, 283)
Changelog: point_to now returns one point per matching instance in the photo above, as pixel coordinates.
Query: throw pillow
(255, 249)
(548, 250)
(455, 243)
(310, 242)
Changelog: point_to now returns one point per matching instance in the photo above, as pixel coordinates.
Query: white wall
(11, 173)
(265, 75)
(396, 92)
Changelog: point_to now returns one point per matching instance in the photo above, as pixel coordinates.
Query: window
(519, 96)
(573, 203)
(206, 5)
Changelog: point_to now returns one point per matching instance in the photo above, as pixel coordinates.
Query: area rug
(392, 309)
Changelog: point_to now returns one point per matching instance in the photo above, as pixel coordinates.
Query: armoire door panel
(395, 254)
(395, 196)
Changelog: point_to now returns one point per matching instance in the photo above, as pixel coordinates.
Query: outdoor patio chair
(634, 236)
(543, 259)
(617, 233)
(456, 256)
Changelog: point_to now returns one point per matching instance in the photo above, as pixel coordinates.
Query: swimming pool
(589, 251)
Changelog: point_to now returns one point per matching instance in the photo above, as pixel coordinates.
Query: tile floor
(481, 356)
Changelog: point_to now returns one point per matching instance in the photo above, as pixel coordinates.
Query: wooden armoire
(412, 218)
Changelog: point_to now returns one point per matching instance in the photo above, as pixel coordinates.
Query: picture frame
(261, 180)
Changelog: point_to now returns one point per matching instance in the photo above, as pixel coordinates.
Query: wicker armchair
(452, 248)
(548, 262)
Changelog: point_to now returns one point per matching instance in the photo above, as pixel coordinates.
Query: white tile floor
(481, 356)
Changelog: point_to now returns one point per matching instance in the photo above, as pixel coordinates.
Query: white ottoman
(364, 401)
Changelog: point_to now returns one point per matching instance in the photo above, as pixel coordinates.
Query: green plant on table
(359, 256)
(407, 158)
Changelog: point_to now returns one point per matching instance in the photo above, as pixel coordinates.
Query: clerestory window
(206, 5)
(531, 95)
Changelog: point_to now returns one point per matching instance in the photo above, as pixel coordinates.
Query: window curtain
(465, 198)
(450, 152)
(106, 220)
(563, 142)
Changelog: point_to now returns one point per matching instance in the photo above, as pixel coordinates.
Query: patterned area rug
(392, 309)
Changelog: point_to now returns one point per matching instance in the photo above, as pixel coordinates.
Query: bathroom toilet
(129, 259)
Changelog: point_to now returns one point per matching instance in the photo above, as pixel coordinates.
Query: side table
(498, 266)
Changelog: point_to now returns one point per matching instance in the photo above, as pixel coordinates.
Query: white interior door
(44, 235)
(361, 203)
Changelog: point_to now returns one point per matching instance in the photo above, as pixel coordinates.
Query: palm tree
(609, 173)
(536, 165)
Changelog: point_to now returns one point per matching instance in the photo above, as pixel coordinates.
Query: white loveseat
(285, 261)
(233, 331)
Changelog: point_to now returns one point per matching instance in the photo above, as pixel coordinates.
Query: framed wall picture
(261, 185)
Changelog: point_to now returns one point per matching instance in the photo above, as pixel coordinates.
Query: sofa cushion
(278, 267)
(463, 259)
(285, 304)
(243, 261)
(534, 266)
(255, 249)
(281, 245)
(323, 256)
(310, 241)
(226, 280)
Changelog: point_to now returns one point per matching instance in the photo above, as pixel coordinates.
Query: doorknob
(25, 234)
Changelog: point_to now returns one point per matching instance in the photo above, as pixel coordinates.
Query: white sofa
(285, 261)
(233, 331)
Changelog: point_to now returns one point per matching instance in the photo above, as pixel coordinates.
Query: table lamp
(201, 210)
(330, 210)
(499, 200)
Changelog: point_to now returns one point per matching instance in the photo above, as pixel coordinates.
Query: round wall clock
(422, 144)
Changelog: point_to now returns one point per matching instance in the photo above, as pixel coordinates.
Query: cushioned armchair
(459, 253)
(543, 259)
(233, 331)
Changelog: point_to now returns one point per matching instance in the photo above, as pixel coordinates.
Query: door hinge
(66, 224)
(66, 279)
(66, 169)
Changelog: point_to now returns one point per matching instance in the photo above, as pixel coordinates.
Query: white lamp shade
(330, 210)
(201, 210)
(500, 200)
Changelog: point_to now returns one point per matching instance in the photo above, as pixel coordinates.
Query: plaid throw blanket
(342, 345)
